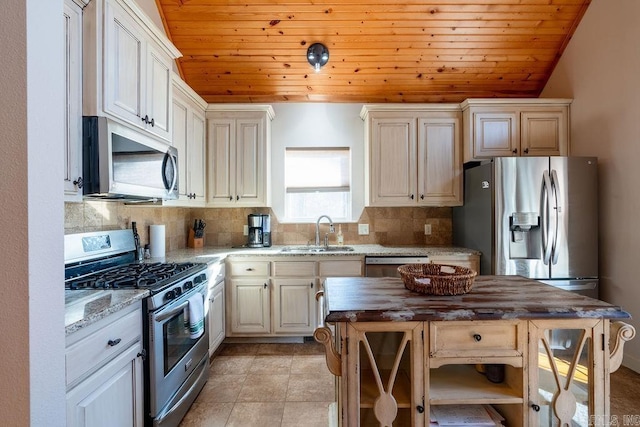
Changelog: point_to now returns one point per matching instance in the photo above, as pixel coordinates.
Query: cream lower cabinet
(217, 307)
(503, 128)
(277, 298)
(549, 372)
(413, 156)
(104, 372)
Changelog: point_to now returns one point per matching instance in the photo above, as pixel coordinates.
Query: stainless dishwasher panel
(387, 266)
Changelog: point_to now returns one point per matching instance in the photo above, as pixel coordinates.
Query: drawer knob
(477, 337)
(420, 409)
(535, 407)
(249, 269)
(114, 342)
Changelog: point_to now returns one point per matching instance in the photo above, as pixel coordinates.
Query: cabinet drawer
(476, 339)
(294, 268)
(249, 268)
(91, 352)
(341, 268)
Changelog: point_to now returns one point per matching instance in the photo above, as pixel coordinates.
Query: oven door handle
(163, 316)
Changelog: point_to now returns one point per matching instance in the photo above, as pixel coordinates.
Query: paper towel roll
(156, 240)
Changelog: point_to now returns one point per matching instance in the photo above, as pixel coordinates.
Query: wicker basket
(437, 279)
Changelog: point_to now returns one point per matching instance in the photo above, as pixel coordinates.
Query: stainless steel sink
(315, 249)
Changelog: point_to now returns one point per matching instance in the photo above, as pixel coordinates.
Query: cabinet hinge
(422, 335)
(346, 340)
(603, 342)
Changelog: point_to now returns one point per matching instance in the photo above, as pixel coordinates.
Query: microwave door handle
(175, 172)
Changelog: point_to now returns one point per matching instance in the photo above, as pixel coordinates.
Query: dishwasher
(387, 266)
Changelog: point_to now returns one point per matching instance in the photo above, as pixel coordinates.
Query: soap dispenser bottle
(340, 236)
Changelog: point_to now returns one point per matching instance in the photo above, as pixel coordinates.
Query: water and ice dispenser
(525, 234)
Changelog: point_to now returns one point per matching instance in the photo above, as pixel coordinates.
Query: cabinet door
(221, 161)
(158, 92)
(294, 305)
(392, 162)
(439, 161)
(124, 65)
(250, 158)
(196, 157)
(216, 317)
(73, 101)
(544, 133)
(110, 397)
(180, 114)
(496, 134)
(383, 380)
(568, 385)
(249, 308)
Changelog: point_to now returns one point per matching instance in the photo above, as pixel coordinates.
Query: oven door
(173, 355)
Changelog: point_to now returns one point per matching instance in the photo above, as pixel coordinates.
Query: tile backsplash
(387, 226)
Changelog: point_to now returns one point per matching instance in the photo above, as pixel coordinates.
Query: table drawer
(249, 268)
(476, 339)
(104, 344)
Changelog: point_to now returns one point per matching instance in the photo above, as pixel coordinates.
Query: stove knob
(170, 295)
(187, 285)
(200, 278)
(178, 292)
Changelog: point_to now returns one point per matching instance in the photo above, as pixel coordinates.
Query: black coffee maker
(259, 230)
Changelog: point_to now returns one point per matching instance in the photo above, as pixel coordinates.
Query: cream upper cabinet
(503, 128)
(188, 129)
(413, 155)
(72, 18)
(127, 67)
(239, 156)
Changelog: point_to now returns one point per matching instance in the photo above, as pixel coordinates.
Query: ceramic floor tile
(276, 349)
(249, 349)
(303, 364)
(310, 388)
(307, 414)
(231, 365)
(264, 388)
(310, 347)
(271, 365)
(256, 414)
(221, 388)
(207, 415)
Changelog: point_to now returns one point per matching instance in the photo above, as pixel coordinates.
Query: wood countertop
(367, 299)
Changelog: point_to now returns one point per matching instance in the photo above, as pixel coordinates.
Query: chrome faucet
(331, 230)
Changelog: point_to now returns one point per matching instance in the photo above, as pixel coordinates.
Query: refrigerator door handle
(545, 214)
(556, 215)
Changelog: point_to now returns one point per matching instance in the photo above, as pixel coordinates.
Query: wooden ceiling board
(380, 51)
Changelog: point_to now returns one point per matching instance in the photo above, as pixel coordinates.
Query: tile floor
(265, 385)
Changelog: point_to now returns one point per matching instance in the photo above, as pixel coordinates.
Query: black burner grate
(138, 276)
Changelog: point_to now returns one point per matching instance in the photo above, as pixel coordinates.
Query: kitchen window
(317, 182)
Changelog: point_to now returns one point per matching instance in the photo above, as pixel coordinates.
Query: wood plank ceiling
(380, 50)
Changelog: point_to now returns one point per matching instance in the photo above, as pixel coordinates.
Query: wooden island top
(367, 299)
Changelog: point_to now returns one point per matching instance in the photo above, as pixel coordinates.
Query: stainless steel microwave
(122, 163)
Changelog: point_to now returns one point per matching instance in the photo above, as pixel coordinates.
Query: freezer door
(575, 246)
(519, 230)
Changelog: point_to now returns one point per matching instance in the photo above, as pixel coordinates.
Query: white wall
(31, 165)
(600, 69)
(317, 125)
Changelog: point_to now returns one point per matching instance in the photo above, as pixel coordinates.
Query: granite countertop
(84, 307)
(360, 299)
(213, 254)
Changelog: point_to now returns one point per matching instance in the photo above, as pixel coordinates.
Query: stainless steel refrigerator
(535, 217)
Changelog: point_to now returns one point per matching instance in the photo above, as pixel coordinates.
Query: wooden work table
(399, 356)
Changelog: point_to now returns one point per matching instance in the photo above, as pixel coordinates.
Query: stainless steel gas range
(176, 335)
